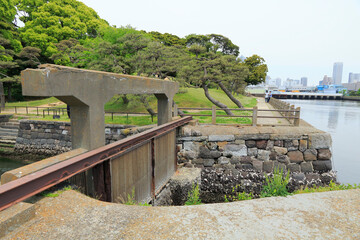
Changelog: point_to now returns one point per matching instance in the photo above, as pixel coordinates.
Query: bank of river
(342, 120)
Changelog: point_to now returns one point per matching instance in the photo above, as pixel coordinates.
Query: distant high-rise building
(326, 80)
(354, 77)
(337, 73)
(267, 80)
(278, 82)
(304, 81)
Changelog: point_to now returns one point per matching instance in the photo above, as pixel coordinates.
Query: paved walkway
(327, 215)
(262, 105)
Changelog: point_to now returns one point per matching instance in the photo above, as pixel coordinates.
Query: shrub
(238, 196)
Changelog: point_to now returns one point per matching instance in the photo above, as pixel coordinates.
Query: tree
(49, 22)
(167, 39)
(257, 70)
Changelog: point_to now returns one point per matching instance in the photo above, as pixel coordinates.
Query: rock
(186, 132)
(209, 162)
(273, 156)
(250, 143)
(221, 138)
(280, 150)
(246, 166)
(310, 155)
(258, 165)
(192, 139)
(324, 154)
(252, 152)
(326, 178)
(292, 145)
(215, 154)
(192, 146)
(306, 167)
(303, 143)
(224, 160)
(236, 150)
(261, 144)
(268, 166)
(283, 159)
(180, 184)
(198, 161)
(279, 143)
(245, 159)
(322, 166)
(195, 132)
(298, 176)
(270, 145)
(295, 156)
(294, 167)
(211, 145)
(189, 154)
(279, 166)
(320, 140)
(204, 152)
(235, 160)
(221, 145)
(240, 142)
(313, 178)
(263, 155)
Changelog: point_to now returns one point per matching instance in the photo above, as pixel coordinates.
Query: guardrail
(287, 110)
(154, 148)
(291, 114)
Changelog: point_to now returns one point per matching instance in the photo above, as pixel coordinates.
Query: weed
(238, 196)
(276, 185)
(332, 187)
(193, 196)
(56, 193)
(131, 199)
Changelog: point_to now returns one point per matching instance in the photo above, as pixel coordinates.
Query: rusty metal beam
(25, 187)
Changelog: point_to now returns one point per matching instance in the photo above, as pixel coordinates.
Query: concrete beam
(87, 91)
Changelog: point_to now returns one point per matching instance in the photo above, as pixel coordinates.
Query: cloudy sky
(296, 37)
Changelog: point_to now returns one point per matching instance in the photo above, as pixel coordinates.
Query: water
(8, 164)
(342, 120)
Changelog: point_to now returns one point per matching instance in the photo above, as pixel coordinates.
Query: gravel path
(328, 215)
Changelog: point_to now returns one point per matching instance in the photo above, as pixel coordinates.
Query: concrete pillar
(164, 108)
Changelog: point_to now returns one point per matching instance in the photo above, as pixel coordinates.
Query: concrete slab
(15, 216)
(327, 215)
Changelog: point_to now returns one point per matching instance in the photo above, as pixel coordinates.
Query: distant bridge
(304, 95)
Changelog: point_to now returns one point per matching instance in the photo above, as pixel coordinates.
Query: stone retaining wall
(5, 117)
(241, 160)
(52, 138)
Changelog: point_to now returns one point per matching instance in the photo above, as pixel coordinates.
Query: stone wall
(5, 118)
(51, 138)
(241, 160)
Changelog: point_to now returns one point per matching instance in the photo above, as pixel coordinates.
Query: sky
(297, 38)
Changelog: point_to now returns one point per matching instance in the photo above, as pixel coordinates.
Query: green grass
(332, 187)
(193, 196)
(35, 103)
(56, 193)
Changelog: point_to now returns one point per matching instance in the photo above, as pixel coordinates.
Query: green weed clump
(332, 187)
(238, 196)
(131, 199)
(276, 185)
(193, 196)
(56, 193)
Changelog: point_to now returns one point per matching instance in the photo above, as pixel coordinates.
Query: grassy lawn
(188, 97)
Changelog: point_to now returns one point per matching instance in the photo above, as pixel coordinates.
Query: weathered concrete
(15, 216)
(86, 92)
(327, 215)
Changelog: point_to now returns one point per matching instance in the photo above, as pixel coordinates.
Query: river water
(8, 164)
(342, 120)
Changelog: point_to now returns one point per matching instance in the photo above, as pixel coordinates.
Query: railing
(290, 114)
(287, 110)
(153, 152)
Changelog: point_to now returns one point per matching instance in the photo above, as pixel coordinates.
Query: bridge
(143, 162)
(303, 95)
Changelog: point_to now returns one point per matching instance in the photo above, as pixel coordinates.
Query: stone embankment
(52, 138)
(238, 157)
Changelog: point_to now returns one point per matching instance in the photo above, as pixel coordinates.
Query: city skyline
(296, 38)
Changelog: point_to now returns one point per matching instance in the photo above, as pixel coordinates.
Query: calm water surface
(8, 164)
(342, 120)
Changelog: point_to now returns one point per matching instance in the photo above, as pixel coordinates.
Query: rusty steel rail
(27, 186)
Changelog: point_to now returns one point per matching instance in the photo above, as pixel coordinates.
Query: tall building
(337, 73)
(304, 81)
(354, 77)
(278, 82)
(326, 80)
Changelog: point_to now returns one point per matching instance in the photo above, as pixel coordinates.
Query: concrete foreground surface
(71, 215)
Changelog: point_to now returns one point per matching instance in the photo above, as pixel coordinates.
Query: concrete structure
(337, 73)
(352, 86)
(86, 92)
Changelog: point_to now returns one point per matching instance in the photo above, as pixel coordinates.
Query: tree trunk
(144, 101)
(215, 102)
(9, 92)
(228, 93)
(2, 96)
(125, 99)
